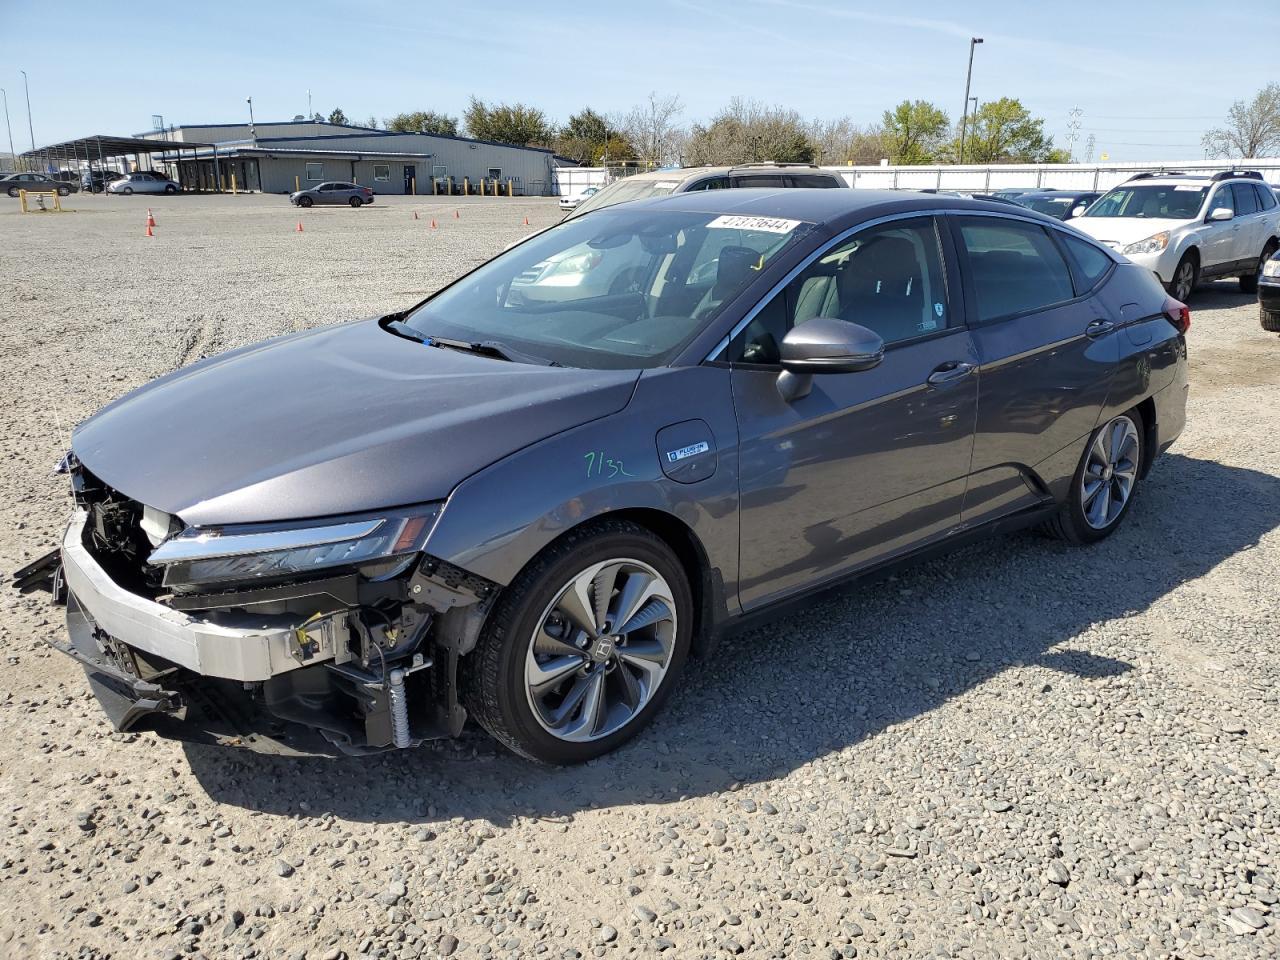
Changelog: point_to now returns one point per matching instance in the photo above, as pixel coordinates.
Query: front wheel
(584, 647)
(1184, 278)
(13, 191)
(127, 191)
(1104, 482)
(170, 188)
(1270, 320)
(354, 201)
(304, 201)
(64, 191)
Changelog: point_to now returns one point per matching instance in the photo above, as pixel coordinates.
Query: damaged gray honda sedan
(528, 499)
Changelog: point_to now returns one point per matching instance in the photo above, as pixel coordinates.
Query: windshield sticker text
(762, 224)
(598, 465)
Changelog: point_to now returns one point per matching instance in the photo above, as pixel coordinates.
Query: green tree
(589, 138)
(423, 121)
(508, 123)
(915, 131)
(747, 131)
(1252, 130)
(337, 116)
(1004, 131)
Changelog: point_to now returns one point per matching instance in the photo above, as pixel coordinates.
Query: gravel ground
(1021, 750)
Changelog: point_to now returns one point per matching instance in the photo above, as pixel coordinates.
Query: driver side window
(887, 278)
(1223, 199)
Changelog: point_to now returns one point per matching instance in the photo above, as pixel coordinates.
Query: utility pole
(13, 159)
(30, 129)
(1088, 148)
(964, 117)
(253, 134)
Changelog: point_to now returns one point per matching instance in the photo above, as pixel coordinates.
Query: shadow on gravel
(826, 678)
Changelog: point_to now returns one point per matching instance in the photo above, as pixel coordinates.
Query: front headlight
(1150, 245)
(1271, 268)
(379, 546)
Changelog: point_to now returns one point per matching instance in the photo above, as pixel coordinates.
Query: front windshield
(622, 290)
(1151, 202)
(622, 191)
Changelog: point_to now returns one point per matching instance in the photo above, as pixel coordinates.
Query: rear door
(1251, 223)
(1047, 354)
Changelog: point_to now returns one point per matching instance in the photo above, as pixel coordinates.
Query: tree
(747, 131)
(915, 131)
(337, 116)
(372, 123)
(1004, 131)
(508, 123)
(654, 128)
(843, 141)
(1252, 130)
(588, 137)
(317, 117)
(423, 121)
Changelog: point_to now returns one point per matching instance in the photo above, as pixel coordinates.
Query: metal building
(281, 157)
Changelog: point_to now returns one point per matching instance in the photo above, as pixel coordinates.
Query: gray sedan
(529, 498)
(337, 192)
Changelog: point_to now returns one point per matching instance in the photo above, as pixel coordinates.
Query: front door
(1219, 236)
(410, 178)
(868, 464)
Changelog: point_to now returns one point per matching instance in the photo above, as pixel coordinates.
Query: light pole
(13, 160)
(253, 134)
(30, 128)
(964, 118)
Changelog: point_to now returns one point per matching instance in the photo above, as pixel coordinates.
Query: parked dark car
(351, 194)
(1269, 294)
(97, 181)
(528, 498)
(1060, 204)
(16, 182)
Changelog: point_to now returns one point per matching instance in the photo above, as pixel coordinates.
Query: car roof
(686, 173)
(816, 205)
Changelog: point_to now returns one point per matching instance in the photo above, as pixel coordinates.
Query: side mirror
(1077, 210)
(1222, 213)
(825, 345)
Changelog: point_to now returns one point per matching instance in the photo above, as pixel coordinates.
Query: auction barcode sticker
(763, 224)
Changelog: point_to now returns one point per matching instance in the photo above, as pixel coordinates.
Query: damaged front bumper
(315, 673)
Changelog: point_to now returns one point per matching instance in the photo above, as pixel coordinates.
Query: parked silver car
(336, 192)
(148, 181)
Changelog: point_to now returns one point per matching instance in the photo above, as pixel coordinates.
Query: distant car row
(148, 181)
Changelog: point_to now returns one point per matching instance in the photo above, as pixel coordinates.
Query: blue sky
(1148, 77)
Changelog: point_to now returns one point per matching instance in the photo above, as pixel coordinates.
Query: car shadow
(840, 670)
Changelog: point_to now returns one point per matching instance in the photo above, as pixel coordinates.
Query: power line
(1101, 116)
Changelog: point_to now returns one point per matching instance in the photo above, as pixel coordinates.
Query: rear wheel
(304, 201)
(1185, 277)
(584, 647)
(1104, 483)
(1269, 319)
(355, 201)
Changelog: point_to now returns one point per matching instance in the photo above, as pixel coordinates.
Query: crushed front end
(335, 635)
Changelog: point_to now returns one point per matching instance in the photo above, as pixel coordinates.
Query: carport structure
(85, 152)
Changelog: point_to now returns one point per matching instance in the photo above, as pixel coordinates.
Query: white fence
(570, 181)
(1063, 176)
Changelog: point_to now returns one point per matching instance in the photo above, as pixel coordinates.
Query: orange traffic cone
(433, 223)
(151, 221)
(299, 230)
(149, 233)
(415, 214)
(526, 221)
(456, 215)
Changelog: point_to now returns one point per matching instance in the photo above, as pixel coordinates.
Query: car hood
(1124, 230)
(337, 420)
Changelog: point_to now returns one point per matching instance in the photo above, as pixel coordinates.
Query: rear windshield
(1152, 202)
(624, 191)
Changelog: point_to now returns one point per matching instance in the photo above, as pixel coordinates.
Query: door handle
(1099, 328)
(950, 373)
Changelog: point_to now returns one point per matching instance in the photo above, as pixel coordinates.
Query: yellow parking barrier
(40, 207)
(413, 185)
(466, 186)
(297, 184)
(511, 191)
(233, 183)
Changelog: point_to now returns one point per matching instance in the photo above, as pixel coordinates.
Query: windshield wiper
(489, 348)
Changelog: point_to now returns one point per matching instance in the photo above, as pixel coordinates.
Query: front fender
(497, 520)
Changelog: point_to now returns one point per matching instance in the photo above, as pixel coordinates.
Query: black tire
(355, 201)
(1179, 288)
(493, 684)
(304, 201)
(170, 188)
(1071, 523)
(13, 191)
(1270, 321)
(127, 191)
(64, 191)
(1249, 281)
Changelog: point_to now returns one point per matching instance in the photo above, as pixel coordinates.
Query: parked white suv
(1188, 228)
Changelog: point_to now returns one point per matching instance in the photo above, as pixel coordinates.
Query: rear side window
(710, 183)
(1088, 262)
(1015, 267)
(758, 180)
(1246, 198)
(811, 180)
(1265, 196)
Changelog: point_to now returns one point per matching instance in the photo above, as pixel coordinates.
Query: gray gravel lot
(1021, 750)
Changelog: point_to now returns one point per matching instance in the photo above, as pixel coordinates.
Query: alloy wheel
(601, 650)
(1110, 473)
(1184, 280)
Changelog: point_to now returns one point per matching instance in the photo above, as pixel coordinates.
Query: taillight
(1178, 313)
